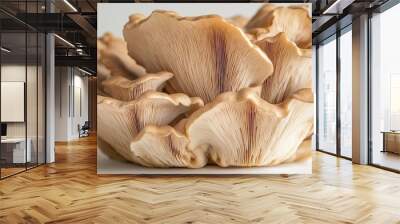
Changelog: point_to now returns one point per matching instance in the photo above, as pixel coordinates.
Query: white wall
(62, 81)
(12, 73)
(70, 81)
(33, 127)
(79, 117)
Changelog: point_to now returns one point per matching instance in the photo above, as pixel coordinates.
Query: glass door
(327, 96)
(14, 153)
(22, 95)
(346, 95)
(385, 90)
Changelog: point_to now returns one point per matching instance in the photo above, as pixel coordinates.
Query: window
(385, 89)
(327, 96)
(394, 101)
(346, 95)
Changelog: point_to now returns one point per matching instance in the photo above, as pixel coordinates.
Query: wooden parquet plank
(70, 191)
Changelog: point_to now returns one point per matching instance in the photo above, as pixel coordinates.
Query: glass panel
(13, 87)
(385, 115)
(23, 89)
(31, 98)
(41, 98)
(32, 88)
(346, 94)
(327, 97)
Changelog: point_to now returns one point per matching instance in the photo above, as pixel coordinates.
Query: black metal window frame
(334, 37)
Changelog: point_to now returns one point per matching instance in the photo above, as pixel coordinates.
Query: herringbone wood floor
(69, 191)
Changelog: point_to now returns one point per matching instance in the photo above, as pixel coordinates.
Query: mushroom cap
(124, 89)
(303, 152)
(292, 68)
(206, 54)
(163, 146)
(100, 46)
(238, 20)
(102, 72)
(243, 130)
(114, 55)
(260, 18)
(295, 21)
(256, 34)
(121, 121)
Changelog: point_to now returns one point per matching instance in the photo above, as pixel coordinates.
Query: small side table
(391, 141)
(14, 150)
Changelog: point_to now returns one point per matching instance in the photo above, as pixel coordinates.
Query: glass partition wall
(385, 90)
(22, 95)
(327, 95)
(334, 105)
(346, 75)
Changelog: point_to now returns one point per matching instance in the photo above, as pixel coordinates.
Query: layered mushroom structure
(120, 122)
(242, 129)
(294, 21)
(207, 55)
(191, 91)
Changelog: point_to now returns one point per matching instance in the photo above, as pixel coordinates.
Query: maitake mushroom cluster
(191, 91)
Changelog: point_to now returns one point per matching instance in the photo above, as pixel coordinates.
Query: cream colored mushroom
(261, 16)
(294, 21)
(238, 20)
(119, 122)
(243, 130)
(292, 68)
(164, 147)
(114, 55)
(206, 54)
(256, 34)
(303, 152)
(124, 89)
(102, 72)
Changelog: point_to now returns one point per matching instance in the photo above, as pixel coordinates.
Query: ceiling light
(5, 50)
(84, 71)
(70, 5)
(65, 41)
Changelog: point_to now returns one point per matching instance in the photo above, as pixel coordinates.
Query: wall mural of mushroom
(190, 92)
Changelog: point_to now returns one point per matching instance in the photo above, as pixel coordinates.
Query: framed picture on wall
(204, 88)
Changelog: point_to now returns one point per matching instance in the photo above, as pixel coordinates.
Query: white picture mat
(12, 101)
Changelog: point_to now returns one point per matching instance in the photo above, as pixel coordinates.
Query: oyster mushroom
(302, 152)
(238, 20)
(124, 89)
(256, 34)
(261, 16)
(294, 21)
(114, 55)
(206, 54)
(292, 68)
(102, 72)
(243, 130)
(165, 147)
(121, 121)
